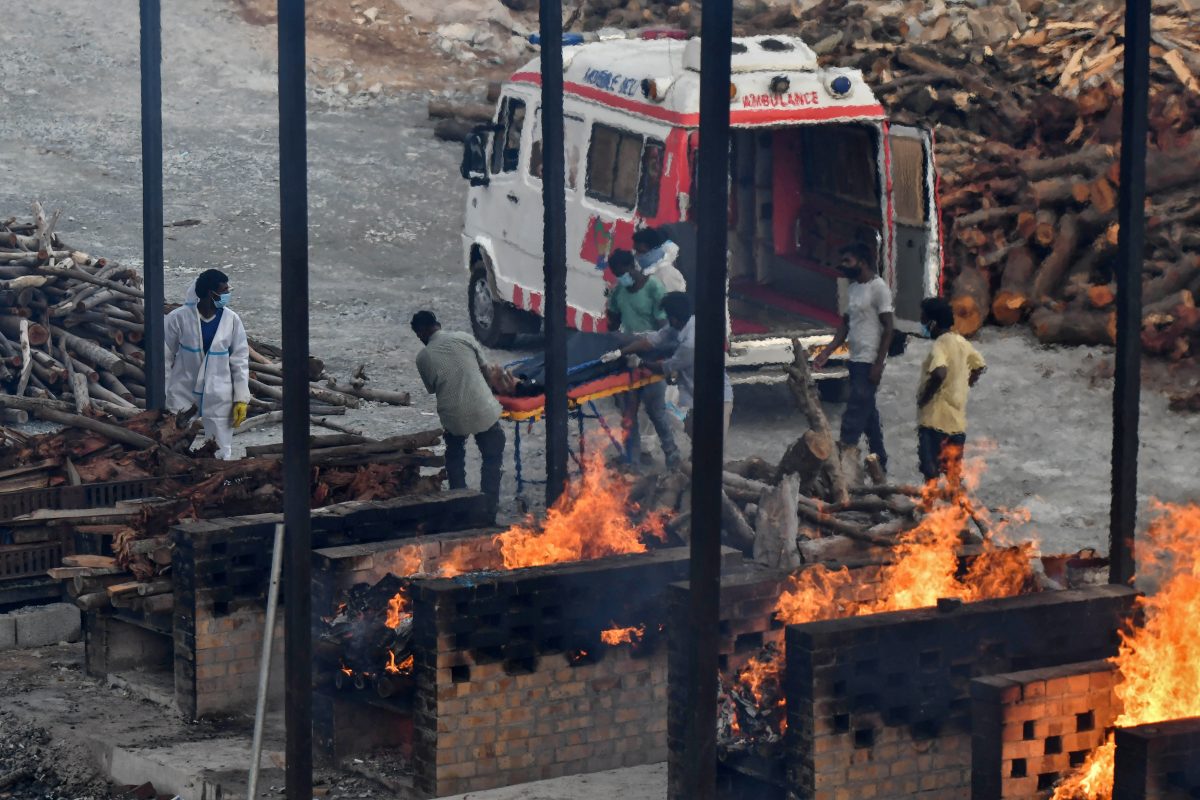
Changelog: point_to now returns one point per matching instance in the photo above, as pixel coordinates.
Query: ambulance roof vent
(775, 53)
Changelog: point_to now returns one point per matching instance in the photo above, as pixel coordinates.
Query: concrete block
(8, 632)
(39, 626)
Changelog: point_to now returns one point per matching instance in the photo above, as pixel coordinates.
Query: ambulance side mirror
(474, 160)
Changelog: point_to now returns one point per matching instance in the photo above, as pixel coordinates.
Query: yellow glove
(239, 413)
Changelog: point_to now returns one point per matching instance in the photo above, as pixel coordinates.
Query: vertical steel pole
(1130, 254)
(293, 213)
(152, 201)
(712, 215)
(554, 247)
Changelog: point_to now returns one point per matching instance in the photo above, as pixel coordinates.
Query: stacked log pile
(71, 328)
(193, 486)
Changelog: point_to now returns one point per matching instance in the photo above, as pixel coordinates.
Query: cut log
(1101, 296)
(776, 526)
(738, 532)
(156, 586)
(1054, 191)
(814, 512)
(92, 602)
(805, 457)
(971, 300)
(316, 443)
(1011, 302)
(1046, 227)
(1177, 277)
(1074, 327)
(91, 352)
(51, 414)
(804, 390)
(1088, 161)
(1054, 266)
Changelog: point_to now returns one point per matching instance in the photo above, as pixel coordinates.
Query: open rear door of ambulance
(916, 223)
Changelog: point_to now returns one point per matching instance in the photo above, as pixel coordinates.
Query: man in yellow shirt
(950, 369)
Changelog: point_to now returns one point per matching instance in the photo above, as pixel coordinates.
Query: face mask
(644, 260)
(849, 273)
(926, 331)
(223, 300)
(626, 280)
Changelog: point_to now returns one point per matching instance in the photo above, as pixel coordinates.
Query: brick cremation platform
(511, 682)
(205, 652)
(1031, 728)
(747, 623)
(1160, 761)
(880, 705)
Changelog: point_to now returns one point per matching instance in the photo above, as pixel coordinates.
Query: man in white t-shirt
(867, 326)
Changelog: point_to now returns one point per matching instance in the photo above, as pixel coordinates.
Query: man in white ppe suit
(208, 360)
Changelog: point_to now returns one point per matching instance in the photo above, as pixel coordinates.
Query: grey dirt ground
(385, 202)
(385, 211)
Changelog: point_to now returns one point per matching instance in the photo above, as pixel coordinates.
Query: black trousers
(939, 453)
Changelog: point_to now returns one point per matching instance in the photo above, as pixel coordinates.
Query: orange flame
(1159, 661)
(616, 636)
(397, 610)
(591, 519)
(404, 666)
(925, 568)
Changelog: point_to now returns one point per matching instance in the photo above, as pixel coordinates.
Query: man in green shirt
(635, 303)
(635, 306)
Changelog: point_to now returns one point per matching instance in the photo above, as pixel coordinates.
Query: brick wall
(1031, 728)
(1159, 761)
(221, 569)
(338, 568)
(879, 706)
(747, 623)
(502, 695)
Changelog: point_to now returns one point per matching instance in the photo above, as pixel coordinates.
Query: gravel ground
(386, 210)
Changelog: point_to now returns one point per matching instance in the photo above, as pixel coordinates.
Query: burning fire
(591, 519)
(925, 569)
(1159, 660)
(404, 666)
(397, 610)
(615, 636)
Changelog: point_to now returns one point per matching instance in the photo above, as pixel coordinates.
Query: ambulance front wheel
(489, 318)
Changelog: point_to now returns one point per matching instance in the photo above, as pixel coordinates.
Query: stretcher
(581, 404)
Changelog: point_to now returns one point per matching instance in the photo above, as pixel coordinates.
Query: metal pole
(554, 248)
(1130, 254)
(293, 213)
(152, 202)
(264, 663)
(712, 214)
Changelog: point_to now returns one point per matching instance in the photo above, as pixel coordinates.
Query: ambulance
(814, 165)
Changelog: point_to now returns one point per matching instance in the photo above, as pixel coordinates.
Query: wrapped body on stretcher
(588, 378)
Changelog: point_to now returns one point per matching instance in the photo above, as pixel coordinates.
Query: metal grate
(24, 560)
(91, 495)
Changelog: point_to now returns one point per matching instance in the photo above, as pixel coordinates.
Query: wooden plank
(117, 589)
(101, 562)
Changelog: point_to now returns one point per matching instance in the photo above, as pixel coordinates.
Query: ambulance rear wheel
(489, 318)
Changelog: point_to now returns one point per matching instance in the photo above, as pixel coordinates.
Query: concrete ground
(74, 733)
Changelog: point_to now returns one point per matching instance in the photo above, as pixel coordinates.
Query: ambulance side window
(614, 165)
(571, 144)
(651, 180)
(506, 142)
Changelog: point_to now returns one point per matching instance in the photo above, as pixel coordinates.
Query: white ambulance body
(814, 165)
